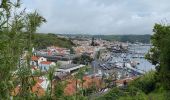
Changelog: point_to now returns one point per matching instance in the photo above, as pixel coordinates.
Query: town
(112, 61)
(84, 50)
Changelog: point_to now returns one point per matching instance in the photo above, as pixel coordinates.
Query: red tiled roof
(15, 91)
(35, 58)
(34, 67)
(46, 62)
(38, 90)
(88, 82)
(70, 89)
(40, 80)
(122, 81)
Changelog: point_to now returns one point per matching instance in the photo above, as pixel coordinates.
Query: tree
(59, 90)
(13, 43)
(79, 76)
(83, 59)
(159, 54)
(51, 73)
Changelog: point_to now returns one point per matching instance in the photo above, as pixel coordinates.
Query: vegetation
(159, 54)
(41, 41)
(126, 38)
(122, 38)
(135, 90)
(13, 42)
(83, 59)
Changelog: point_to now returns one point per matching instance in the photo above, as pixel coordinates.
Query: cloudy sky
(101, 16)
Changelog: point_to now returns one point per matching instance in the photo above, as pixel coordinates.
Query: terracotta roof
(88, 82)
(46, 62)
(34, 58)
(70, 89)
(34, 67)
(122, 81)
(15, 91)
(37, 89)
(40, 80)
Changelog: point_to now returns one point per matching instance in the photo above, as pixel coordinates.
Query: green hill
(125, 38)
(122, 38)
(42, 41)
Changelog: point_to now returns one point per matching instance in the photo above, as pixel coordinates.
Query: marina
(124, 64)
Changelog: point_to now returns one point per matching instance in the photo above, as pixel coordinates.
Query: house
(39, 88)
(58, 50)
(35, 61)
(45, 65)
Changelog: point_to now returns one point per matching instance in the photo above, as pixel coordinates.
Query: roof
(37, 88)
(127, 80)
(70, 89)
(16, 91)
(35, 58)
(88, 82)
(61, 75)
(68, 66)
(46, 62)
(34, 67)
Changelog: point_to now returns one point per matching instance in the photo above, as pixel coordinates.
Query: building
(70, 68)
(35, 60)
(45, 65)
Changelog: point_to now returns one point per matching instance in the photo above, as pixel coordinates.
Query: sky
(100, 16)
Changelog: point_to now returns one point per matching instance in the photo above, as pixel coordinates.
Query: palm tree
(51, 73)
(79, 76)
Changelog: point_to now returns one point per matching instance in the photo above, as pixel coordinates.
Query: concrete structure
(70, 68)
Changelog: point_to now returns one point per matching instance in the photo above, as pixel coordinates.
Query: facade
(45, 65)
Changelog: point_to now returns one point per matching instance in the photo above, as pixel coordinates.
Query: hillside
(125, 38)
(41, 41)
(121, 38)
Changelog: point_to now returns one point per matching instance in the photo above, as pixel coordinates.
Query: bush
(146, 83)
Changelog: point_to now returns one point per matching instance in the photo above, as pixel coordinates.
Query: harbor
(126, 64)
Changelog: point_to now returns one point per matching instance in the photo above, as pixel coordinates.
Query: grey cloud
(101, 16)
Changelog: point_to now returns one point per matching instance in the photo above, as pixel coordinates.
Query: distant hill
(42, 41)
(125, 38)
(122, 38)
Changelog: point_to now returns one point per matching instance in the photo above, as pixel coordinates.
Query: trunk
(76, 88)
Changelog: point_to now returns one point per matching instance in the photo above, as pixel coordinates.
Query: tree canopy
(159, 54)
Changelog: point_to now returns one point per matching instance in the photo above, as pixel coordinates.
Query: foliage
(59, 90)
(113, 94)
(138, 96)
(13, 42)
(122, 38)
(41, 41)
(83, 59)
(74, 97)
(126, 38)
(136, 90)
(146, 83)
(159, 54)
(164, 95)
(79, 76)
